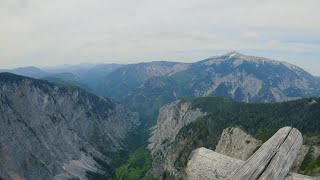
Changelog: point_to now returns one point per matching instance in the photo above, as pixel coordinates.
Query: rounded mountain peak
(232, 53)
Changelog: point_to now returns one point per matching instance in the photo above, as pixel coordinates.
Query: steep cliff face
(172, 118)
(52, 131)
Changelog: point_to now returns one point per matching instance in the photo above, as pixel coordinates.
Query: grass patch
(138, 163)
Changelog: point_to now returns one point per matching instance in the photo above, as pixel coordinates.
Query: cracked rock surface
(272, 161)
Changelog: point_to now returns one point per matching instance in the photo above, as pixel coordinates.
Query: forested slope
(259, 119)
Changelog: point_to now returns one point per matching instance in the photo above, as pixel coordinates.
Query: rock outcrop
(205, 164)
(189, 124)
(236, 143)
(52, 131)
(300, 157)
(272, 161)
(172, 118)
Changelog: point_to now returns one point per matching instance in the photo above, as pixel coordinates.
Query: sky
(53, 32)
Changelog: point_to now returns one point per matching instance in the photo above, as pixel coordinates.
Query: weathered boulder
(275, 157)
(236, 143)
(272, 161)
(205, 164)
(300, 157)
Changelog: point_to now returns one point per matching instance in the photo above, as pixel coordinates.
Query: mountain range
(29, 71)
(92, 121)
(145, 87)
(232, 75)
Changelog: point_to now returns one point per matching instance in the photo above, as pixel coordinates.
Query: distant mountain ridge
(83, 75)
(233, 75)
(145, 87)
(250, 78)
(86, 72)
(29, 71)
(124, 80)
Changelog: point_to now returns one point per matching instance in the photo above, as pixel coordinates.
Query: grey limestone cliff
(50, 131)
(172, 118)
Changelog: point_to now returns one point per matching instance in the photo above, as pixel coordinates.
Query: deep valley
(142, 121)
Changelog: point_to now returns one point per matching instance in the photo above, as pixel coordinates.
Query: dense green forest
(136, 166)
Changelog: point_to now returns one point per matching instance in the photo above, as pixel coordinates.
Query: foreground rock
(272, 161)
(205, 164)
(275, 157)
(236, 143)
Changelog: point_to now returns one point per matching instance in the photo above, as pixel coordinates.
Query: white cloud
(45, 32)
(290, 47)
(250, 36)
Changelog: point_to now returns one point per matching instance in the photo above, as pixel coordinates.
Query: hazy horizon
(46, 67)
(49, 33)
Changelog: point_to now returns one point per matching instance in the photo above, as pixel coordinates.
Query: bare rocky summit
(246, 78)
